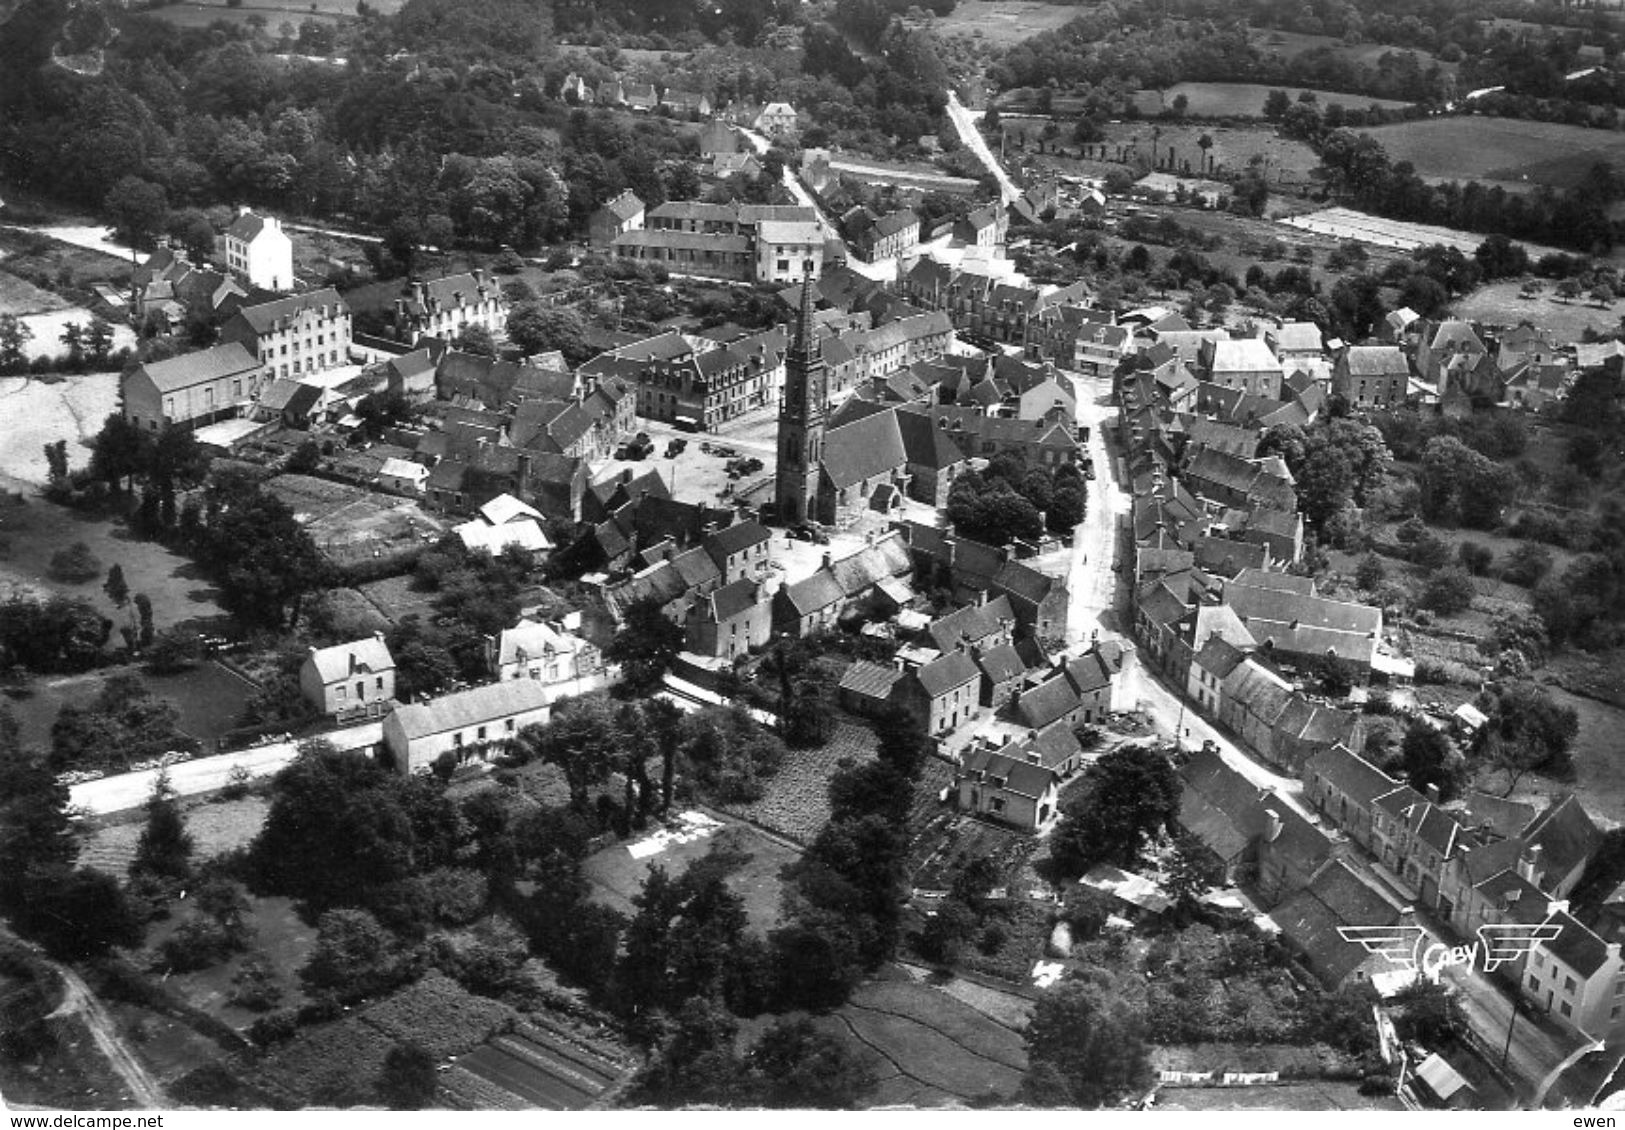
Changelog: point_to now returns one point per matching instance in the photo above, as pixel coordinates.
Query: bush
(75, 565)
(1448, 590)
(274, 1029)
(198, 944)
(1476, 558)
(255, 987)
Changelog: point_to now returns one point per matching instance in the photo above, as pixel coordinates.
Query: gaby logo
(1410, 948)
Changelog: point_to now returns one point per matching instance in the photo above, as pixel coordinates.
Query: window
(457, 740)
(380, 682)
(1565, 1009)
(1568, 984)
(482, 733)
(344, 693)
(1534, 982)
(996, 803)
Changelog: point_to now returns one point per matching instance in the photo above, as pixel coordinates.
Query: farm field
(204, 14)
(926, 1048)
(1002, 22)
(755, 865)
(1285, 161)
(530, 1068)
(39, 412)
(1246, 99)
(1291, 44)
(795, 801)
(1515, 154)
(215, 826)
(19, 296)
(1346, 223)
(36, 529)
(1501, 304)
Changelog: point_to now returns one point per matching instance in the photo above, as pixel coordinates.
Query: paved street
(965, 122)
(131, 790)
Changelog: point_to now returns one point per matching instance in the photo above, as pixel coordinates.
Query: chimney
(1529, 865)
(417, 291)
(981, 598)
(1433, 793)
(379, 636)
(626, 475)
(242, 209)
(1272, 829)
(828, 563)
(1015, 698)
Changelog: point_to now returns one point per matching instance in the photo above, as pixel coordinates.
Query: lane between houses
(965, 122)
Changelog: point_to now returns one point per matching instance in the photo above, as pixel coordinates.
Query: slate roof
(1241, 355)
(531, 639)
(863, 449)
(1000, 663)
(814, 593)
(205, 365)
(246, 227)
(1577, 947)
(871, 680)
(1565, 834)
(336, 663)
(266, 316)
(1219, 657)
(973, 623)
(948, 673)
(1044, 704)
(1310, 920)
(732, 600)
(471, 707)
(1020, 777)
(1376, 361)
(736, 538)
(1350, 773)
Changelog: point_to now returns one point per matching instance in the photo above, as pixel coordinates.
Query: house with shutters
(445, 307)
(349, 680)
(731, 621)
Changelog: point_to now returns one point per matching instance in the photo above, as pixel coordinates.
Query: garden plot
(795, 800)
(350, 524)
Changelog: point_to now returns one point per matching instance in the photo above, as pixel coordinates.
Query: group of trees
(1339, 464)
(1012, 500)
(1128, 800)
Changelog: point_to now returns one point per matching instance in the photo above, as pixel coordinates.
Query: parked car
(675, 448)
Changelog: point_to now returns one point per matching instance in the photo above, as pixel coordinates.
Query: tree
(408, 1080)
(143, 608)
(1192, 870)
(1129, 795)
(138, 209)
(645, 645)
(164, 851)
(1476, 558)
(1276, 104)
(1448, 591)
(35, 831)
(1092, 1041)
(581, 739)
(75, 565)
(540, 329)
(15, 335)
(1336, 674)
(77, 914)
(1527, 730)
(99, 341)
(475, 339)
(352, 959)
(804, 1068)
(116, 588)
(1429, 759)
(1370, 572)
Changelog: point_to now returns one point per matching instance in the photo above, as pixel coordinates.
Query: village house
(731, 621)
(403, 476)
(463, 725)
(787, 251)
(553, 654)
(1008, 788)
(294, 336)
(350, 680)
(1242, 363)
(982, 227)
(742, 551)
(1310, 920)
(191, 390)
(259, 252)
(1372, 376)
(445, 307)
(874, 238)
(685, 104)
(1288, 617)
(776, 120)
(619, 215)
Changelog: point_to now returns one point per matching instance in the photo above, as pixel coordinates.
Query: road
(77, 999)
(1092, 582)
(965, 122)
(206, 774)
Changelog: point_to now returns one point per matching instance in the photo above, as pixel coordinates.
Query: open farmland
(1346, 223)
(530, 1068)
(275, 15)
(1285, 161)
(1291, 44)
(1514, 154)
(1246, 99)
(926, 1048)
(1001, 22)
(1503, 304)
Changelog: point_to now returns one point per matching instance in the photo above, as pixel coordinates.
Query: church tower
(801, 421)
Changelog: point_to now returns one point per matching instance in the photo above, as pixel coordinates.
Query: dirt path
(78, 1000)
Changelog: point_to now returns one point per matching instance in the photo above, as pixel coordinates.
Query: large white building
(259, 252)
(466, 724)
(788, 251)
(294, 336)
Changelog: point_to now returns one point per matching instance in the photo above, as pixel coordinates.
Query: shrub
(255, 986)
(198, 944)
(1476, 558)
(274, 1029)
(1448, 590)
(76, 565)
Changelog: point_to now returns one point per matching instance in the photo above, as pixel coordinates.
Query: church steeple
(801, 419)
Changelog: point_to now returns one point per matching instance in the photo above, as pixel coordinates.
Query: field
(528, 1068)
(1002, 22)
(1285, 161)
(795, 803)
(1246, 99)
(755, 867)
(30, 532)
(1515, 154)
(278, 935)
(1291, 44)
(1501, 304)
(926, 1047)
(19, 296)
(209, 698)
(204, 14)
(350, 524)
(36, 413)
(1325, 1095)
(215, 826)
(1346, 223)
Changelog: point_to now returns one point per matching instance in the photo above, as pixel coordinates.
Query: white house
(776, 119)
(350, 679)
(466, 724)
(788, 251)
(547, 653)
(403, 475)
(259, 251)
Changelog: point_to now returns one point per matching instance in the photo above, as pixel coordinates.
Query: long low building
(465, 724)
